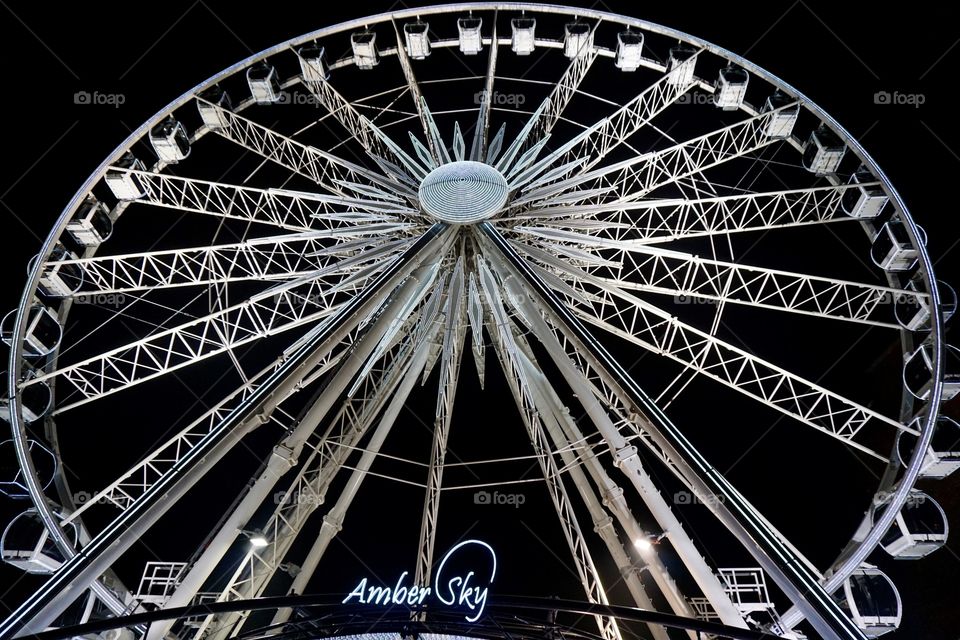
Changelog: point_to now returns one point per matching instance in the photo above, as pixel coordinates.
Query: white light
(258, 541)
(643, 544)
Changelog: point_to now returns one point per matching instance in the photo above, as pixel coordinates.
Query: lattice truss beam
(634, 178)
(641, 267)
(589, 147)
(284, 208)
(127, 488)
(625, 315)
(280, 308)
(665, 220)
(335, 174)
(259, 259)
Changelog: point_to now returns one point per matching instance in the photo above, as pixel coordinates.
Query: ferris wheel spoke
(292, 210)
(128, 487)
(481, 131)
(438, 150)
(335, 174)
(646, 268)
(592, 145)
(259, 259)
(379, 393)
(281, 308)
(653, 221)
(381, 148)
(641, 323)
(634, 178)
(534, 134)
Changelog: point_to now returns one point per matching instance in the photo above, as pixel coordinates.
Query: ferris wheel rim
(913, 468)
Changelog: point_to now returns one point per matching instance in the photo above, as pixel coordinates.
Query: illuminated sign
(451, 587)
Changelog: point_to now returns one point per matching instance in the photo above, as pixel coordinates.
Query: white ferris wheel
(548, 192)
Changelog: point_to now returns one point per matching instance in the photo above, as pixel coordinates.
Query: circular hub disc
(463, 192)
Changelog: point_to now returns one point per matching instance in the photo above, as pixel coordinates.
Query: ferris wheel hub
(463, 192)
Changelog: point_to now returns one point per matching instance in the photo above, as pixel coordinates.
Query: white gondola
(892, 249)
(214, 102)
(170, 140)
(780, 124)
(56, 278)
(90, 225)
(731, 88)
(364, 45)
(942, 456)
(26, 544)
(313, 63)
(471, 41)
(124, 185)
(863, 200)
(417, 37)
(629, 50)
(35, 401)
(919, 529)
(872, 601)
(823, 152)
(41, 335)
(12, 482)
(913, 314)
(264, 83)
(918, 372)
(523, 39)
(577, 37)
(680, 64)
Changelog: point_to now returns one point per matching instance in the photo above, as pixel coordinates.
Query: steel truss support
(308, 490)
(592, 145)
(335, 174)
(632, 179)
(280, 308)
(625, 457)
(481, 132)
(288, 209)
(454, 334)
(654, 329)
(797, 581)
(665, 220)
(512, 359)
(79, 572)
(381, 147)
(643, 267)
(262, 259)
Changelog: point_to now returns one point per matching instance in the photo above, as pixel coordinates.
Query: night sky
(810, 487)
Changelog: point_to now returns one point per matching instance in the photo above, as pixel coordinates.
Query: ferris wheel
(640, 231)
